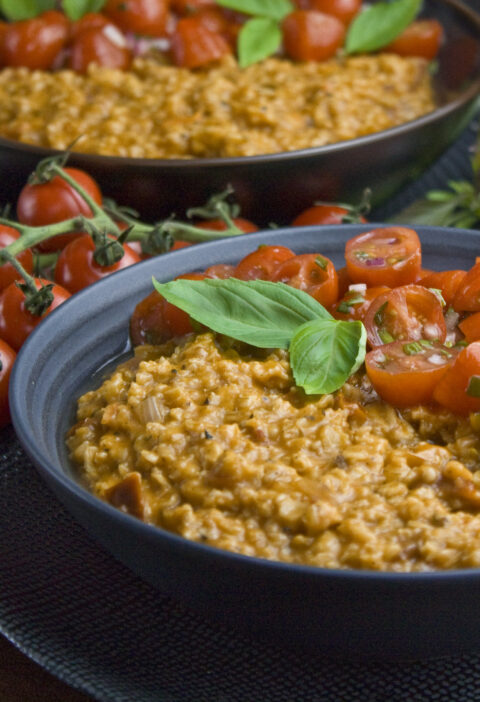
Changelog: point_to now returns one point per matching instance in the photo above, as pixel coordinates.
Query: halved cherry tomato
(458, 389)
(470, 327)
(219, 225)
(344, 281)
(188, 7)
(220, 270)
(313, 273)
(422, 37)
(354, 304)
(7, 359)
(406, 313)
(148, 17)
(386, 256)
(76, 266)
(91, 20)
(312, 36)
(325, 214)
(262, 262)
(405, 373)
(447, 282)
(35, 43)
(345, 10)
(103, 46)
(7, 272)
(16, 322)
(467, 297)
(193, 44)
(55, 201)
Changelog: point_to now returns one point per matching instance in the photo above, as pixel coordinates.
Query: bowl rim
(470, 95)
(55, 474)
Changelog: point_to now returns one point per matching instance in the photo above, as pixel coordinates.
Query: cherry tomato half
(448, 282)
(406, 373)
(91, 20)
(104, 46)
(456, 389)
(354, 304)
(7, 272)
(467, 296)
(148, 17)
(194, 44)
(262, 262)
(470, 327)
(345, 10)
(386, 256)
(46, 203)
(422, 38)
(16, 322)
(312, 36)
(7, 359)
(76, 267)
(313, 273)
(35, 43)
(406, 313)
(325, 214)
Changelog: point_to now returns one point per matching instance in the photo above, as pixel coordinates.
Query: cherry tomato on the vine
(104, 46)
(35, 43)
(262, 262)
(76, 266)
(313, 273)
(406, 373)
(193, 44)
(406, 313)
(219, 225)
(386, 256)
(458, 389)
(16, 322)
(325, 214)
(423, 38)
(7, 272)
(147, 17)
(47, 203)
(309, 35)
(7, 359)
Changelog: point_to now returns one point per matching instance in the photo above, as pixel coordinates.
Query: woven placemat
(87, 619)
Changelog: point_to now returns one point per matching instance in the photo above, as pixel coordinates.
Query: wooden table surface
(22, 680)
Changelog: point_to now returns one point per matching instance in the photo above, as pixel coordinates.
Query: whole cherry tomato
(193, 44)
(312, 36)
(448, 282)
(313, 273)
(46, 203)
(7, 359)
(467, 296)
(103, 46)
(35, 43)
(148, 17)
(345, 10)
(7, 272)
(386, 256)
(422, 38)
(354, 304)
(406, 313)
(406, 373)
(76, 266)
(16, 322)
(219, 225)
(458, 389)
(262, 262)
(325, 214)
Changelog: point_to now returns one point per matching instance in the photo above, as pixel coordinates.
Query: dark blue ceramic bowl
(351, 614)
(276, 187)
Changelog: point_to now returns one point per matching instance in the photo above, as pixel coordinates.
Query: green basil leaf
(379, 24)
(15, 10)
(426, 212)
(324, 353)
(275, 9)
(259, 38)
(75, 9)
(257, 312)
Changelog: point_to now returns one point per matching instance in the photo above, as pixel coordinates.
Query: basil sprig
(380, 24)
(324, 352)
(15, 10)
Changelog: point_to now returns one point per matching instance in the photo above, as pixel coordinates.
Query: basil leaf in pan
(379, 24)
(259, 38)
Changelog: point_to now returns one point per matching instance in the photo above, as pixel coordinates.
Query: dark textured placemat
(87, 619)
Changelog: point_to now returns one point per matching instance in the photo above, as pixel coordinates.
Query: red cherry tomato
(406, 373)
(16, 322)
(188, 7)
(467, 296)
(103, 46)
(386, 256)
(7, 359)
(35, 43)
(422, 38)
(470, 327)
(406, 313)
(354, 304)
(344, 10)
(76, 266)
(456, 389)
(55, 201)
(448, 282)
(148, 17)
(312, 36)
(325, 214)
(178, 244)
(7, 272)
(262, 262)
(219, 225)
(313, 273)
(193, 44)
(91, 20)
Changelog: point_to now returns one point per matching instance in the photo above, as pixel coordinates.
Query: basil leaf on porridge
(379, 24)
(259, 38)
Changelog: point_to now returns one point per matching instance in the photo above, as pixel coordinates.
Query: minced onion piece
(451, 319)
(436, 359)
(358, 287)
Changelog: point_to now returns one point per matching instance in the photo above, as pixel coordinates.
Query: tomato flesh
(313, 273)
(421, 38)
(309, 35)
(262, 262)
(194, 44)
(454, 388)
